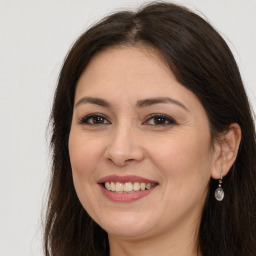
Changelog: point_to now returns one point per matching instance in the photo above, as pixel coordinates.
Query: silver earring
(219, 193)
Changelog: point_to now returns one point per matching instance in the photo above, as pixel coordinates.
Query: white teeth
(136, 186)
(113, 186)
(107, 186)
(128, 186)
(119, 187)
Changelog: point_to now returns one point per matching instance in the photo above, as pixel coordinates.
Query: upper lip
(124, 179)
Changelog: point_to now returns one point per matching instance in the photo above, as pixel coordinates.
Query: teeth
(108, 186)
(136, 186)
(113, 186)
(119, 187)
(128, 186)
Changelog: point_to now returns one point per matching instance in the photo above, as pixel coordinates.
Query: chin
(127, 225)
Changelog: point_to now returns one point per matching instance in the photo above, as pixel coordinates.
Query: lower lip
(126, 197)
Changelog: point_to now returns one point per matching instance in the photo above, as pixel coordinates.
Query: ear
(225, 150)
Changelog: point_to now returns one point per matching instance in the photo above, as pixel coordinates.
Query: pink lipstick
(123, 179)
(126, 188)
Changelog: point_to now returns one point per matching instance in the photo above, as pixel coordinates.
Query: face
(140, 145)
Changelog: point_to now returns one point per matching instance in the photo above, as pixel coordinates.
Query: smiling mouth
(127, 187)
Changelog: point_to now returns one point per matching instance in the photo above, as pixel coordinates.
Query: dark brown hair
(202, 62)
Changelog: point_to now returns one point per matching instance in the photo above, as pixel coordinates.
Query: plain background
(35, 37)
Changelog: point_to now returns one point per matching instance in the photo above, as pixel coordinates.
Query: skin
(178, 154)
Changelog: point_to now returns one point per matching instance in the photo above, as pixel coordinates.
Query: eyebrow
(160, 100)
(140, 103)
(97, 101)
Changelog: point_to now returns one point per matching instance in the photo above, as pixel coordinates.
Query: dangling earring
(219, 193)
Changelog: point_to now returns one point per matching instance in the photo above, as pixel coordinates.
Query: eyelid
(155, 115)
(84, 119)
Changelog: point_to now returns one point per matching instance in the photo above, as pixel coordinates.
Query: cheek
(185, 165)
(84, 155)
(185, 160)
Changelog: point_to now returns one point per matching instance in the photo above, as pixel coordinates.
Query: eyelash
(155, 117)
(85, 120)
(161, 117)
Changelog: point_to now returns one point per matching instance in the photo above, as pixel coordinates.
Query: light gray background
(35, 37)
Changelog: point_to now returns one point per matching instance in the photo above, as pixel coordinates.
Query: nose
(124, 146)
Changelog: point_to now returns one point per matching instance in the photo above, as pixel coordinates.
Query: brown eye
(160, 120)
(98, 120)
(94, 120)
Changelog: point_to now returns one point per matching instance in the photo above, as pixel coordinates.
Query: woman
(153, 142)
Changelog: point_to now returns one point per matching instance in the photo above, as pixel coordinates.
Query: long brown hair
(202, 62)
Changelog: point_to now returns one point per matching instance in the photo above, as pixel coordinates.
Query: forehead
(128, 73)
(124, 55)
(125, 65)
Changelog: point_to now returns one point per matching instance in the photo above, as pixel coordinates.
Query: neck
(176, 243)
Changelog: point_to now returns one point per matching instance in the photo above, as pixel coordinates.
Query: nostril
(120, 160)
(129, 160)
